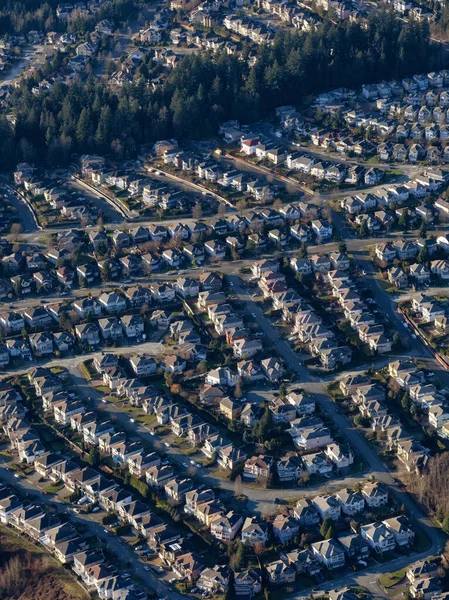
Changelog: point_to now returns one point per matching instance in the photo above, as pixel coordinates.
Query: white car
(132, 420)
(167, 444)
(16, 475)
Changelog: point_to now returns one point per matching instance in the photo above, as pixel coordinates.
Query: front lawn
(390, 579)
(54, 487)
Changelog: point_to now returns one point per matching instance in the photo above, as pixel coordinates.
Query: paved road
(27, 215)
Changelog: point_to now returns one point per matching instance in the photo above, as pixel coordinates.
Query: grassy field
(27, 572)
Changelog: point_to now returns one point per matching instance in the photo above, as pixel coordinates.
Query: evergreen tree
(423, 255)
(363, 229)
(423, 231)
(325, 526)
(302, 252)
(405, 401)
(264, 429)
(94, 457)
(404, 220)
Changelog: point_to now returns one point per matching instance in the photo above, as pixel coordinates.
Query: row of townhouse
(358, 314)
(152, 192)
(418, 151)
(108, 303)
(416, 274)
(45, 343)
(113, 303)
(419, 273)
(256, 32)
(320, 263)
(331, 171)
(423, 580)
(185, 424)
(370, 397)
(97, 489)
(425, 395)
(433, 80)
(428, 309)
(308, 326)
(381, 198)
(402, 249)
(210, 171)
(312, 331)
(416, 109)
(62, 539)
(23, 438)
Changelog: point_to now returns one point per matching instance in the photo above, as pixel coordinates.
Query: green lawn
(113, 399)
(390, 579)
(85, 371)
(54, 487)
(147, 419)
(103, 389)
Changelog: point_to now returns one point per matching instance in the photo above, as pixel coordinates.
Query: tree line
(204, 90)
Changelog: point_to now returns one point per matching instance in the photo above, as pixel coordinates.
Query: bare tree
(238, 486)
(221, 210)
(16, 230)
(197, 211)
